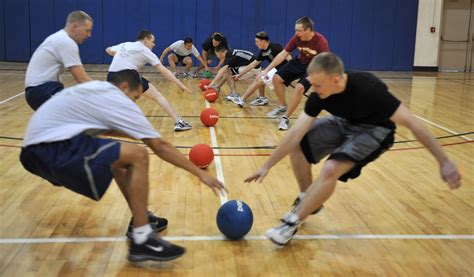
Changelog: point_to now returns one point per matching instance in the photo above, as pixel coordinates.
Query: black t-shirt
(366, 99)
(238, 57)
(208, 46)
(270, 53)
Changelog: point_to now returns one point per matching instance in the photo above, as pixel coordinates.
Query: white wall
(427, 43)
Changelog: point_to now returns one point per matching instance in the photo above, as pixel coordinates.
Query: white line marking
(442, 127)
(217, 161)
(221, 238)
(13, 97)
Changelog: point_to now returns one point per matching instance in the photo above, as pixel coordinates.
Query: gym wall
(367, 34)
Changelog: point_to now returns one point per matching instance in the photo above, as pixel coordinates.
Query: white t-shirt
(95, 105)
(58, 51)
(178, 48)
(132, 55)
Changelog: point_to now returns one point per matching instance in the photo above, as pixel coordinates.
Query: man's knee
(131, 154)
(299, 88)
(332, 169)
(172, 58)
(188, 61)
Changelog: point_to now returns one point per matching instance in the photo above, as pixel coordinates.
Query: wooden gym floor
(398, 218)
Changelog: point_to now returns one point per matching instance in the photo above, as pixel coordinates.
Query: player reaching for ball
(135, 55)
(61, 146)
(360, 127)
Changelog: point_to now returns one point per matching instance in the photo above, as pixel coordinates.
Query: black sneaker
(155, 249)
(295, 205)
(157, 223)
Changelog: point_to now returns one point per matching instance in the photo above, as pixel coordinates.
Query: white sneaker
(240, 102)
(296, 204)
(260, 101)
(237, 99)
(284, 122)
(276, 112)
(283, 233)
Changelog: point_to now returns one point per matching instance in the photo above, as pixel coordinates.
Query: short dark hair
(144, 34)
(220, 48)
(306, 22)
(217, 36)
(188, 40)
(131, 76)
(328, 63)
(262, 35)
(79, 17)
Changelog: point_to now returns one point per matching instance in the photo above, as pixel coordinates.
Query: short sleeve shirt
(365, 99)
(132, 55)
(57, 52)
(308, 49)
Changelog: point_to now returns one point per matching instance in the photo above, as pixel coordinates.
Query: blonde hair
(328, 63)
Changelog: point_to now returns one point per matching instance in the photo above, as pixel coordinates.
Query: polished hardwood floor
(397, 219)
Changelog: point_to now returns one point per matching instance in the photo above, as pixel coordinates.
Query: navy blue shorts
(145, 82)
(81, 164)
(180, 58)
(37, 95)
(294, 70)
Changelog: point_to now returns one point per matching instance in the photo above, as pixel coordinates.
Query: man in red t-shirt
(309, 44)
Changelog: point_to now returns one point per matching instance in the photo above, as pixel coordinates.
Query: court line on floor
(217, 160)
(252, 237)
(442, 127)
(10, 98)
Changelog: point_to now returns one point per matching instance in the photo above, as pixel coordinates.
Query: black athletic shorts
(294, 70)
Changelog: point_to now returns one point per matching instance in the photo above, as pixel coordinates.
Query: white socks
(140, 234)
(301, 196)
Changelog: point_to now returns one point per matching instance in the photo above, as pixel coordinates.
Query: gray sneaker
(179, 75)
(260, 101)
(231, 96)
(283, 233)
(182, 125)
(284, 122)
(276, 112)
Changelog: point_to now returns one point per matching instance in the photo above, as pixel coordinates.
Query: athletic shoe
(294, 208)
(276, 112)
(216, 87)
(237, 99)
(182, 125)
(284, 122)
(260, 101)
(157, 223)
(283, 233)
(240, 102)
(231, 96)
(155, 249)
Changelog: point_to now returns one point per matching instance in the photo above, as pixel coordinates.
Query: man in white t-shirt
(57, 52)
(181, 54)
(58, 147)
(135, 55)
